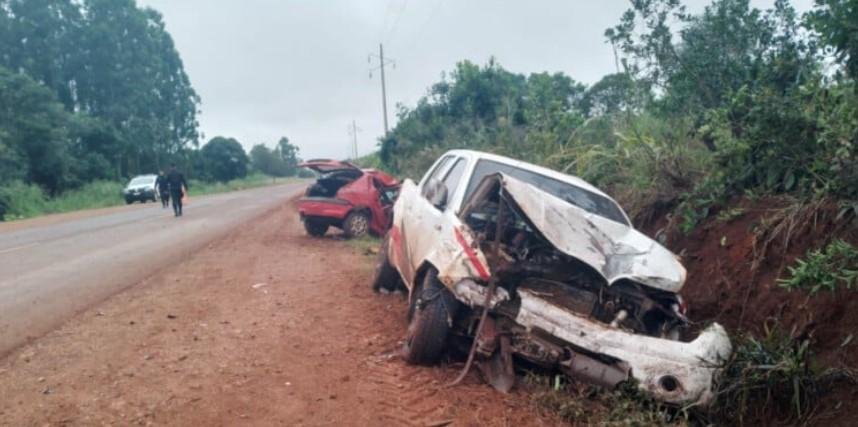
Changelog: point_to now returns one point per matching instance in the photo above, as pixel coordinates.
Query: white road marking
(18, 248)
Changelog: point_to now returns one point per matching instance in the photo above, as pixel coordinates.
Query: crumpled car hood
(615, 250)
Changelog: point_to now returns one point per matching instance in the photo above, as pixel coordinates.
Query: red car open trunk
(356, 200)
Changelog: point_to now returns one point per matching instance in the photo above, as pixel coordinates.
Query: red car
(347, 197)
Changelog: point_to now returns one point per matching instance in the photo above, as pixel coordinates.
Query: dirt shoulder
(265, 326)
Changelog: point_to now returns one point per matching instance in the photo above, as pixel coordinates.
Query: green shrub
(20, 200)
(98, 194)
(199, 188)
(774, 375)
(827, 268)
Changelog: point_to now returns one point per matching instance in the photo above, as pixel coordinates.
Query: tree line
(702, 106)
(95, 90)
(224, 159)
(90, 89)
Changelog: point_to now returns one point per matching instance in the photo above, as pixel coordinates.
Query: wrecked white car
(526, 262)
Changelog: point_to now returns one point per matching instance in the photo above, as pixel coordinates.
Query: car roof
(571, 179)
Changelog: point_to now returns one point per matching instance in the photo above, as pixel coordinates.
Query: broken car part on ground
(568, 283)
(358, 201)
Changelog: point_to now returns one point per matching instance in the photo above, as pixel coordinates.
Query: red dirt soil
(733, 266)
(264, 327)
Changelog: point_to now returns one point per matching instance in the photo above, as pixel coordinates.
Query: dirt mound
(734, 259)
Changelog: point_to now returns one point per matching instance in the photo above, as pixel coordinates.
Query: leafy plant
(824, 269)
(773, 375)
(727, 215)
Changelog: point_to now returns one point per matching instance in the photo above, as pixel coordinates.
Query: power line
(419, 34)
(396, 20)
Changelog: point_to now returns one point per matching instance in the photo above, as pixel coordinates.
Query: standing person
(163, 188)
(178, 187)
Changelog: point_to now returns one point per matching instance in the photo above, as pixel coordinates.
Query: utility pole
(353, 131)
(382, 62)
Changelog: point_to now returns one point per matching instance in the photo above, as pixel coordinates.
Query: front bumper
(138, 194)
(670, 371)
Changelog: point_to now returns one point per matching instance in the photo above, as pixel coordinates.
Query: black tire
(386, 276)
(315, 227)
(356, 224)
(433, 309)
(129, 201)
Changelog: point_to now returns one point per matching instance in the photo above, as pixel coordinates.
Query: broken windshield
(589, 201)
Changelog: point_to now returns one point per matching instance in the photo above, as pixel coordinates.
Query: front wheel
(356, 224)
(433, 308)
(315, 227)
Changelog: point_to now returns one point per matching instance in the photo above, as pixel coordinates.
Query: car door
(429, 223)
(407, 216)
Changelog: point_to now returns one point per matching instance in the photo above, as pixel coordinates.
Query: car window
(589, 201)
(141, 181)
(451, 181)
(436, 173)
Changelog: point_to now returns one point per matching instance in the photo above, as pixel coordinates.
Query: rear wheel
(386, 276)
(315, 227)
(356, 224)
(433, 309)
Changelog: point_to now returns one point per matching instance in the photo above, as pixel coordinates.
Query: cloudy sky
(272, 68)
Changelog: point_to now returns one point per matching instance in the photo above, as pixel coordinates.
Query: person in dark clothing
(163, 188)
(178, 187)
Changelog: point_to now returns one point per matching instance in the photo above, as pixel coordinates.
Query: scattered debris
(259, 285)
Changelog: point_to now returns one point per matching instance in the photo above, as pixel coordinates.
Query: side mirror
(436, 193)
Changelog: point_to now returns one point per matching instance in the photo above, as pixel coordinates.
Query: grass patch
(366, 245)
(580, 404)
(201, 188)
(772, 379)
(19, 200)
(824, 269)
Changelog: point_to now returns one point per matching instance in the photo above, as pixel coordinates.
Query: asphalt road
(52, 268)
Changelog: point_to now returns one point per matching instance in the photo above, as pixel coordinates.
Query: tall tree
(289, 156)
(224, 159)
(34, 141)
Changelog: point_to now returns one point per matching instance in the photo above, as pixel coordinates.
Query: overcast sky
(271, 68)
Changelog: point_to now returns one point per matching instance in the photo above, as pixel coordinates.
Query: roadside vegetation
(825, 269)
(702, 107)
(28, 201)
(768, 380)
(79, 113)
(734, 120)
